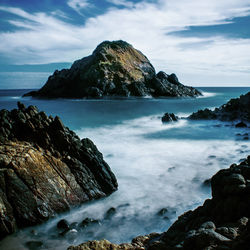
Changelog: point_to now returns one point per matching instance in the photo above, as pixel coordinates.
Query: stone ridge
(114, 69)
(235, 109)
(220, 223)
(45, 168)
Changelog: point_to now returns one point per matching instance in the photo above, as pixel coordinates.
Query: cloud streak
(78, 5)
(148, 26)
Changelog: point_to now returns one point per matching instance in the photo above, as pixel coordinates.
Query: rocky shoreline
(45, 169)
(220, 223)
(114, 69)
(234, 109)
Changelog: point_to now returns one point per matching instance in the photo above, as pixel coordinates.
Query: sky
(205, 42)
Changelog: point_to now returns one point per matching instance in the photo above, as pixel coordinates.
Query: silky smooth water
(157, 165)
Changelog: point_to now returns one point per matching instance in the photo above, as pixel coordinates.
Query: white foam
(208, 94)
(153, 173)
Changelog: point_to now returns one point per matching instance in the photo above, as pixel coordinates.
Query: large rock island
(114, 69)
(45, 168)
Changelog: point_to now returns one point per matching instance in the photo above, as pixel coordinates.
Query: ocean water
(157, 165)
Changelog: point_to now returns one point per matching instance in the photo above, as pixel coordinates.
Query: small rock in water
(212, 156)
(34, 245)
(110, 213)
(241, 125)
(162, 212)
(63, 224)
(88, 221)
(123, 205)
(169, 117)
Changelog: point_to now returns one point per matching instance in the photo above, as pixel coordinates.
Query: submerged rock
(45, 169)
(114, 69)
(220, 223)
(235, 109)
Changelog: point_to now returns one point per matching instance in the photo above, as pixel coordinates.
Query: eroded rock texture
(45, 168)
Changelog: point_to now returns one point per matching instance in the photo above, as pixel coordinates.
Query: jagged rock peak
(114, 69)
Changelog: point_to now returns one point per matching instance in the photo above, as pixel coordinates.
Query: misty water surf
(160, 168)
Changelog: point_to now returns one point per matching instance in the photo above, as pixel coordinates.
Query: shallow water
(157, 165)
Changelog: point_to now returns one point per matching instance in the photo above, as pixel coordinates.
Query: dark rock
(162, 212)
(241, 125)
(21, 106)
(88, 221)
(205, 114)
(111, 212)
(208, 225)
(235, 109)
(54, 169)
(205, 238)
(228, 232)
(169, 117)
(63, 224)
(114, 69)
(173, 79)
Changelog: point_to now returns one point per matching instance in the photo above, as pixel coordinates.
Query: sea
(162, 170)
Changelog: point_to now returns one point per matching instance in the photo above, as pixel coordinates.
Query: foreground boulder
(45, 168)
(114, 69)
(220, 223)
(235, 109)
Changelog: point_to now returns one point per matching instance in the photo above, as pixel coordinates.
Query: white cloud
(149, 27)
(78, 5)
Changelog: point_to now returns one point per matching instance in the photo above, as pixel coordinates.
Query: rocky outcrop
(114, 69)
(45, 168)
(235, 109)
(169, 117)
(220, 223)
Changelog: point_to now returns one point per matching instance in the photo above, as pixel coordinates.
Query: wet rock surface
(114, 69)
(220, 223)
(45, 168)
(169, 117)
(235, 109)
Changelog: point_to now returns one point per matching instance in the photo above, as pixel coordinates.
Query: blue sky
(204, 42)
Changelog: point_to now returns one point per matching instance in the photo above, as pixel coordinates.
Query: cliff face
(114, 69)
(45, 168)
